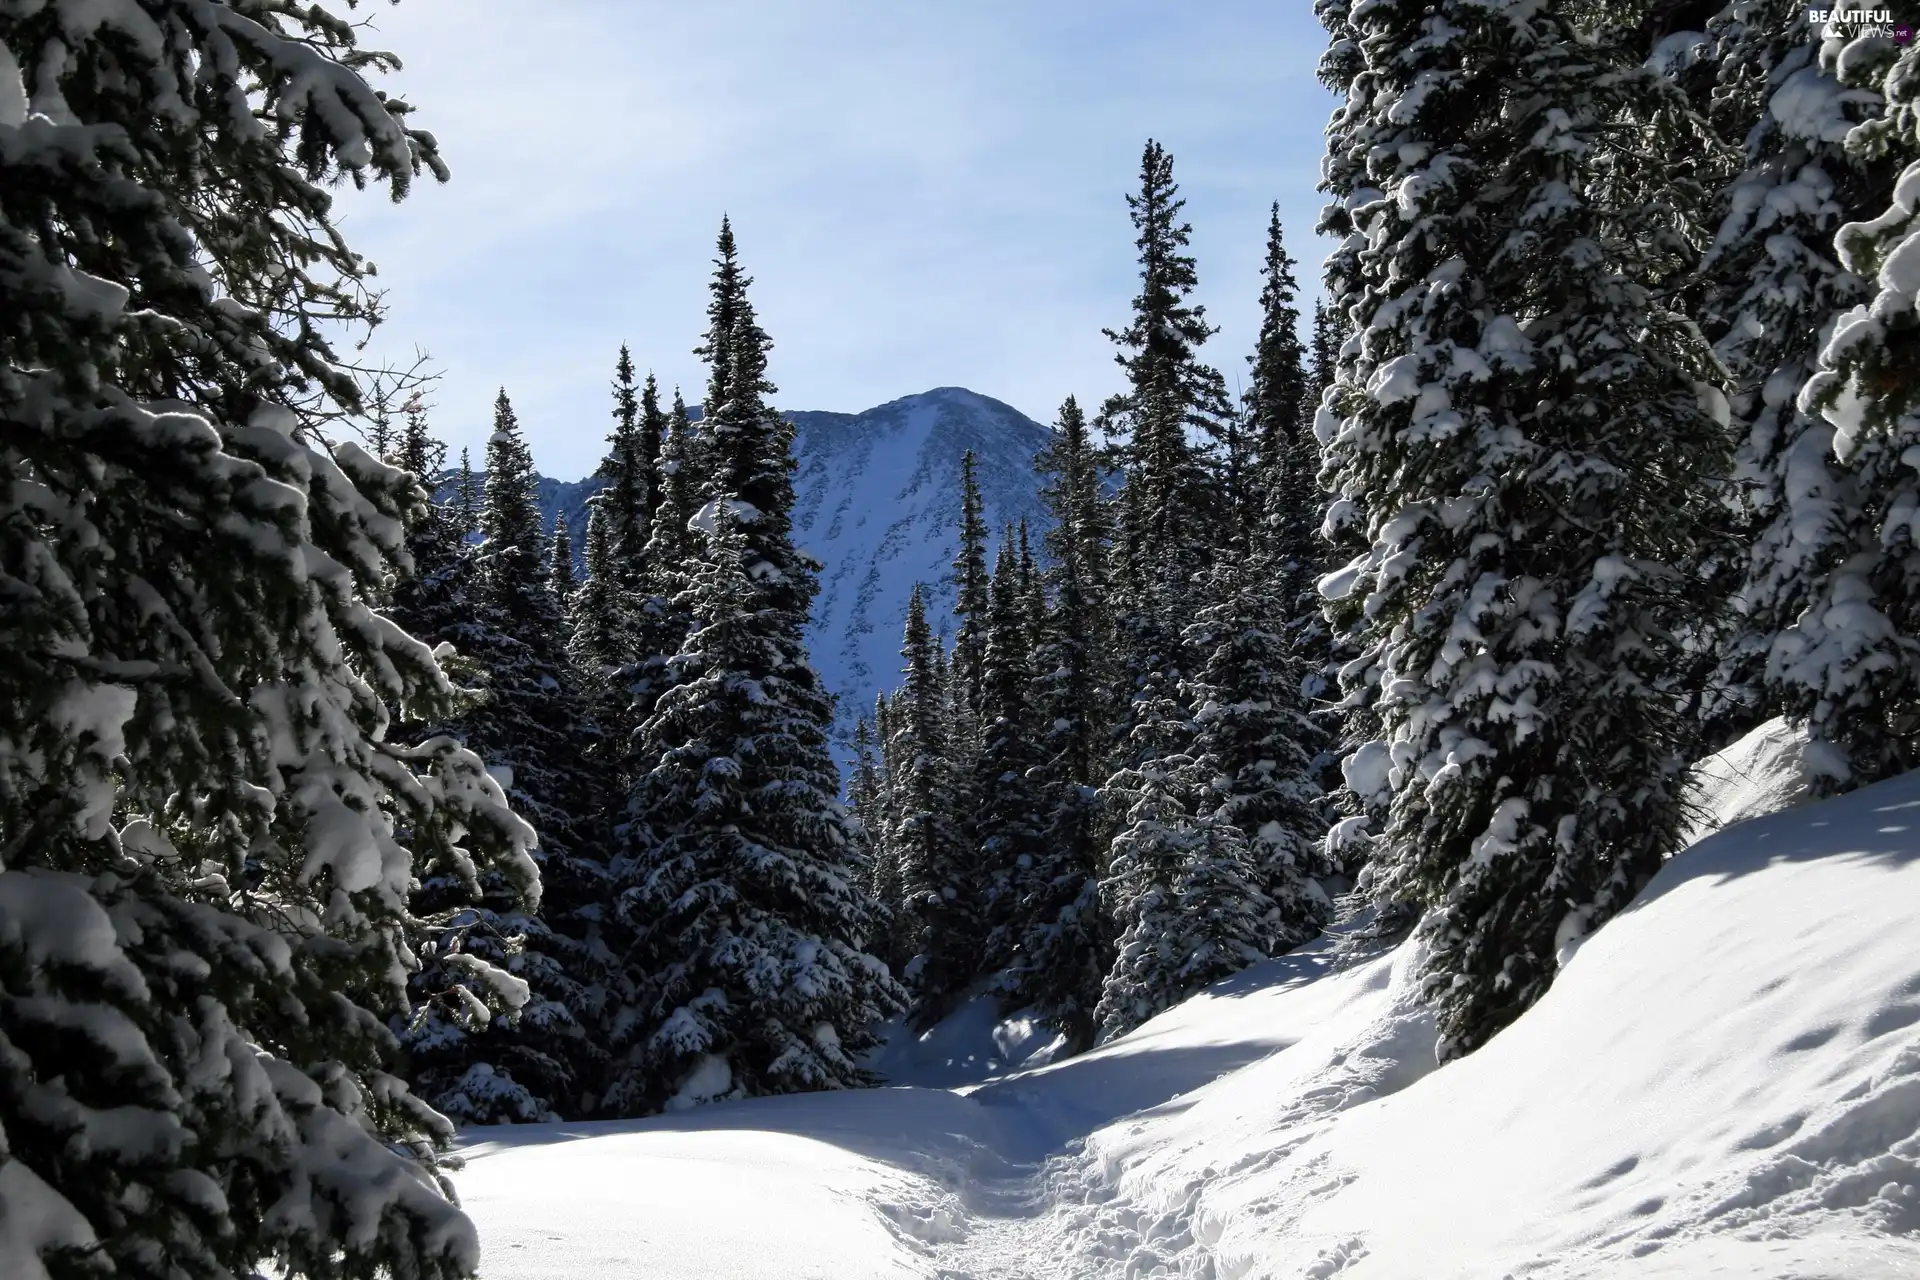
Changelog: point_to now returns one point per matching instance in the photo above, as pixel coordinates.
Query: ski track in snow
(1724, 1082)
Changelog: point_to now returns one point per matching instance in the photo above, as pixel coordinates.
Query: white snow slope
(1723, 1082)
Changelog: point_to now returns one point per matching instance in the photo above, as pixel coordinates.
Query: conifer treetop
(1159, 346)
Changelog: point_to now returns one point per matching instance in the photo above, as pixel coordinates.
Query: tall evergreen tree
(1255, 749)
(1160, 344)
(535, 723)
(207, 833)
(1171, 510)
(898, 943)
(1848, 663)
(864, 785)
(937, 889)
(435, 597)
(1181, 885)
(1523, 447)
(681, 474)
(1007, 822)
(1064, 944)
(659, 622)
(653, 436)
(466, 504)
(1324, 357)
(1275, 403)
(1278, 415)
(1032, 591)
(594, 644)
(628, 498)
(739, 886)
(727, 307)
(970, 603)
(751, 920)
(560, 570)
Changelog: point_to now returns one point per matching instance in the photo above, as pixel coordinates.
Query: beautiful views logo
(1862, 22)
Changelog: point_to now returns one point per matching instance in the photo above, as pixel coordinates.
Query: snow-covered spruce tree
(745, 920)
(560, 580)
(1520, 431)
(594, 640)
(1033, 590)
(1160, 344)
(1760, 187)
(623, 639)
(1282, 507)
(659, 623)
(1073, 490)
(1849, 664)
(1323, 358)
(1171, 514)
(1065, 942)
(466, 499)
(964, 683)
(1161, 565)
(1180, 884)
(1255, 749)
(753, 974)
(1063, 945)
(938, 889)
(1007, 824)
(207, 835)
(1173, 509)
(970, 588)
(435, 596)
(653, 437)
(1770, 287)
(535, 724)
(897, 943)
(1274, 404)
(628, 469)
(864, 791)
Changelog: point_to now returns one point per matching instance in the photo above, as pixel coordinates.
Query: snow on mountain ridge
(877, 502)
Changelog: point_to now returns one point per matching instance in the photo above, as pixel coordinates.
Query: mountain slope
(877, 502)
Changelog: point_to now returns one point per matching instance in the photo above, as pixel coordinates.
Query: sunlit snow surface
(1725, 1081)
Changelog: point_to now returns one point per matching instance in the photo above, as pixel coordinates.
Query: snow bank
(1761, 774)
(1725, 1081)
(972, 1044)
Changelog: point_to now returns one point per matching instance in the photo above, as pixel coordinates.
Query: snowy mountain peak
(878, 503)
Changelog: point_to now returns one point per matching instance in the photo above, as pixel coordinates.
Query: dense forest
(334, 813)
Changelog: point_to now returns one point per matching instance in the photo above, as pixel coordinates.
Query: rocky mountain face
(877, 502)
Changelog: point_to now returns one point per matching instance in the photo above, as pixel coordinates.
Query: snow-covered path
(1723, 1082)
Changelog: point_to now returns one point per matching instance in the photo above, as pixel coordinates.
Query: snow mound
(1724, 1081)
(1763, 773)
(971, 1044)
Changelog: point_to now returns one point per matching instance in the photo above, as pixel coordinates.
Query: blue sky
(926, 194)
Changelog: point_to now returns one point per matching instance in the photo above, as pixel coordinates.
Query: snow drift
(1723, 1081)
